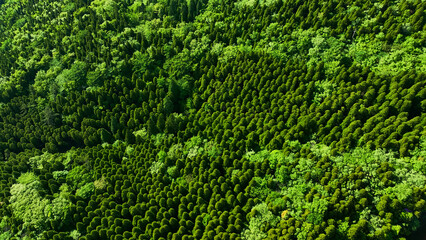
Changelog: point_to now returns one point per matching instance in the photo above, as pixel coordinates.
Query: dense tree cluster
(212, 119)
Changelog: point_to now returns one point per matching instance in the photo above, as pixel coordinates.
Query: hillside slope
(212, 119)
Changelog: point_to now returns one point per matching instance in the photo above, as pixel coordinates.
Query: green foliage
(320, 150)
(304, 194)
(275, 158)
(141, 63)
(260, 216)
(257, 157)
(192, 143)
(27, 178)
(331, 51)
(143, 134)
(175, 151)
(44, 79)
(323, 89)
(160, 137)
(401, 57)
(155, 167)
(150, 119)
(100, 183)
(79, 176)
(161, 156)
(74, 234)
(317, 208)
(173, 172)
(59, 174)
(69, 157)
(195, 146)
(212, 149)
(104, 7)
(130, 150)
(58, 209)
(5, 235)
(118, 144)
(4, 225)
(181, 181)
(282, 174)
(40, 160)
(96, 77)
(106, 136)
(418, 156)
(73, 78)
(260, 188)
(27, 205)
(86, 190)
(65, 190)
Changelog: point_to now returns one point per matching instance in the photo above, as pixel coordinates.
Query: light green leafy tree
(73, 78)
(44, 79)
(30, 207)
(86, 190)
(104, 7)
(260, 217)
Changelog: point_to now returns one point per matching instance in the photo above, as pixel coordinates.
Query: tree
(191, 10)
(106, 137)
(184, 12)
(129, 137)
(168, 104)
(171, 125)
(73, 78)
(114, 125)
(96, 77)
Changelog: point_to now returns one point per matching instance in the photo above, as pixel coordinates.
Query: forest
(212, 119)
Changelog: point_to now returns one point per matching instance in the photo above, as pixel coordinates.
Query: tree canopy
(212, 119)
